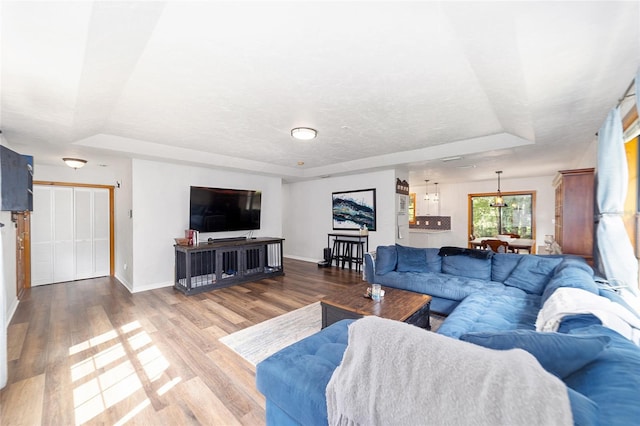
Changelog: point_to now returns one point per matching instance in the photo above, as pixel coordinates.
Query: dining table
(515, 244)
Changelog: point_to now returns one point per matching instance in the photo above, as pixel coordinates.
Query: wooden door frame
(111, 189)
(23, 226)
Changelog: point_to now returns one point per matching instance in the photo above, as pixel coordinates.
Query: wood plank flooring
(89, 352)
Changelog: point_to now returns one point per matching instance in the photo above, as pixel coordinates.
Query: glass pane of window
(514, 218)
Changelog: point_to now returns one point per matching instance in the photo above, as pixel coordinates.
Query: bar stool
(340, 252)
(359, 253)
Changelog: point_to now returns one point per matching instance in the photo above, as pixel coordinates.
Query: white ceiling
(517, 86)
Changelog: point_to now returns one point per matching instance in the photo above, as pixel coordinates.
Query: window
(517, 217)
(412, 208)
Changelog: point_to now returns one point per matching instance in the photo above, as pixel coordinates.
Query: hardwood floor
(89, 352)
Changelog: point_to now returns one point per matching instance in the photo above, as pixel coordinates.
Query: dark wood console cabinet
(208, 266)
(574, 215)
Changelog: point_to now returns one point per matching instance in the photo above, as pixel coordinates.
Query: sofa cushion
(440, 285)
(411, 259)
(467, 266)
(559, 354)
(434, 261)
(570, 274)
(386, 259)
(532, 273)
(612, 380)
(495, 312)
(296, 376)
(585, 411)
(502, 264)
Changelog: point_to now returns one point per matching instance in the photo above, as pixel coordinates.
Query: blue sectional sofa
(491, 300)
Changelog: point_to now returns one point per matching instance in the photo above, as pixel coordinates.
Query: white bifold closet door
(69, 234)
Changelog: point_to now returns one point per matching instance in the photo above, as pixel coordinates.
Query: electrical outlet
(439, 223)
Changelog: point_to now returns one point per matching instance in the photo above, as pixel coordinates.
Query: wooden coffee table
(399, 305)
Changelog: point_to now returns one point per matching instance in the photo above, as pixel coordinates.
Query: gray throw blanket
(397, 374)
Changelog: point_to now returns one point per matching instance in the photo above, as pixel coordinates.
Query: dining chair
(495, 246)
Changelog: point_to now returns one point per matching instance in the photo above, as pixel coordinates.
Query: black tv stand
(214, 265)
(227, 239)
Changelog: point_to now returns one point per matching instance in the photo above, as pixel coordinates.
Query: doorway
(72, 232)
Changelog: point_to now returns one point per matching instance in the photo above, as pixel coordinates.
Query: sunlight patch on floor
(94, 341)
(168, 386)
(131, 414)
(102, 385)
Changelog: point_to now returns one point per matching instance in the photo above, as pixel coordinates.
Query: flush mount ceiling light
(499, 202)
(454, 158)
(303, 133)
(74, 163)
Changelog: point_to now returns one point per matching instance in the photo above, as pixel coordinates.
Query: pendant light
(436, 196)
(426, 189)
(499, 201)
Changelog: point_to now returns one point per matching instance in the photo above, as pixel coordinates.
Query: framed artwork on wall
(402, 204)
(353, 210)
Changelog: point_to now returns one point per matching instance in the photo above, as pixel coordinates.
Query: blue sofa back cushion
(434, 261)
(386, 259)
(411, 259)
(532, 273)
(467, 266)
(502, 264)
(573, 275)
(559, 354)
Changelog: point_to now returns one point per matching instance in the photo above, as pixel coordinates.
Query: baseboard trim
(12, 310)
(304, 259)
(152, 286)
(124, 282)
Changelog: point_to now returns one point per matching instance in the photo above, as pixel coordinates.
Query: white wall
(454, 203)
(160, 195)
(588, 157)
(9, 265)
(307, 215)
(8, 299)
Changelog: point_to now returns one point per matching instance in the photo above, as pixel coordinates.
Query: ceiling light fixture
(499, 201)
(74, 163)
(304, 133)
(454, 158)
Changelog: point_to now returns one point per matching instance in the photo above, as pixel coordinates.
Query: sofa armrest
(370, 266)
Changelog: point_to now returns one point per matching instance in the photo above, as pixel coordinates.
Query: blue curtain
(615, 255)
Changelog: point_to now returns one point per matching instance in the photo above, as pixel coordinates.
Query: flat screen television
(223, 209)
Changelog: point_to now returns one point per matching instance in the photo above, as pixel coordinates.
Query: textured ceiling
(519, 86)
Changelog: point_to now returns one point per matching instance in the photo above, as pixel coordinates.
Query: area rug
(257, 342)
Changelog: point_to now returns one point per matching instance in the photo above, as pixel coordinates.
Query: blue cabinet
(16, 181)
